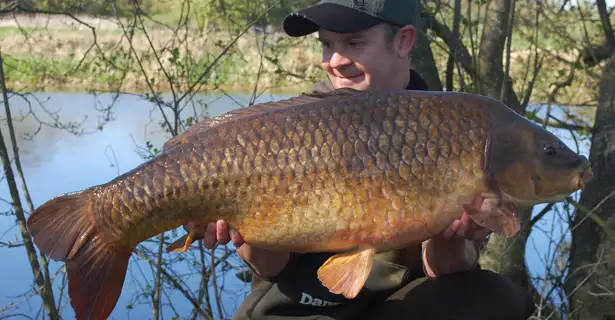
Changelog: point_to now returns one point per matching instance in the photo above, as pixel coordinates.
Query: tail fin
(64, 229)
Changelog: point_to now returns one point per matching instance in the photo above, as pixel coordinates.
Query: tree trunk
(43, 281)
(506, 256)
(591, 285)
(490, 66)
(422, 59)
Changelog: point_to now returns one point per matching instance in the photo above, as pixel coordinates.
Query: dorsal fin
(335, 93)
(303, 98)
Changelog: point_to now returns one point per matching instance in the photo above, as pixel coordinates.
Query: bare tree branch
(43, 283)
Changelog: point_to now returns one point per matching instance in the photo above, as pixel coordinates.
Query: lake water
(56, 162)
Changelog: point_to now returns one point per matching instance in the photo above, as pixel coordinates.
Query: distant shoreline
(55, 53)
(142, 88)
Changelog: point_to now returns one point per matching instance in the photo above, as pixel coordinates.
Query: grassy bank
(52, 56)
(121, 58)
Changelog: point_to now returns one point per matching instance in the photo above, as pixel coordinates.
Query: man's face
(365, 60)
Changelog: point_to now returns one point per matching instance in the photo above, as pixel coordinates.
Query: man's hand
(219, 233)
(454, 249)
(466, 228)
(265, 263)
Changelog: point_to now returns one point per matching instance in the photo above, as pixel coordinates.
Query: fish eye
(550, 150)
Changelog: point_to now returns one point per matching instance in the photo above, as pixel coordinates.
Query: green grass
(61, 64)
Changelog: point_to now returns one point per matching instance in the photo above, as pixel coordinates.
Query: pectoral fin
(182, 244)
(346, 273)
(501, 219)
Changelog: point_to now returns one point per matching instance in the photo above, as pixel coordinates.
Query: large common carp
(346, 171)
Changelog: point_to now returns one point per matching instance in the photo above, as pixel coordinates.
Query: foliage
(166, 52)
(223, 13)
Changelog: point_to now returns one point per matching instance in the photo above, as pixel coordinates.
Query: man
(366, 46)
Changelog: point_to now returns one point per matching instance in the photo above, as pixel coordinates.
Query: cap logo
(359, 4)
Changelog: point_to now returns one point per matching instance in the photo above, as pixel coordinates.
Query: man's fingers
(461, 230)
(450, 231)
(189, 226)
(236, 238)
(222, 232)
(210, 236)
(466, 220)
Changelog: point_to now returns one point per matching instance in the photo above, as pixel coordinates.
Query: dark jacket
(296, 293)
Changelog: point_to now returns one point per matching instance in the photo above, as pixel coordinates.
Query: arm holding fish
(454, 250)
(265, 263)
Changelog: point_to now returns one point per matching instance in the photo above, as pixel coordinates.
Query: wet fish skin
(346, 171)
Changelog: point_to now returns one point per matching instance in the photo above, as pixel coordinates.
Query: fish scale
(346, 171)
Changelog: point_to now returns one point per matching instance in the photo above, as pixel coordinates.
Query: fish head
(529, 165)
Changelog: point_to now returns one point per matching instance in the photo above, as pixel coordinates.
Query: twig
(43, 284)
(175, 283)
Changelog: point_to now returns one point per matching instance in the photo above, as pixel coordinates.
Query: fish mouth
(577, 182)
(586, 175)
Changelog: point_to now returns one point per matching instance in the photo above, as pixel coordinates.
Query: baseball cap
(346, 16)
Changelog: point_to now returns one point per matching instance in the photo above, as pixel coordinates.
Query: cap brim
(328, 16)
